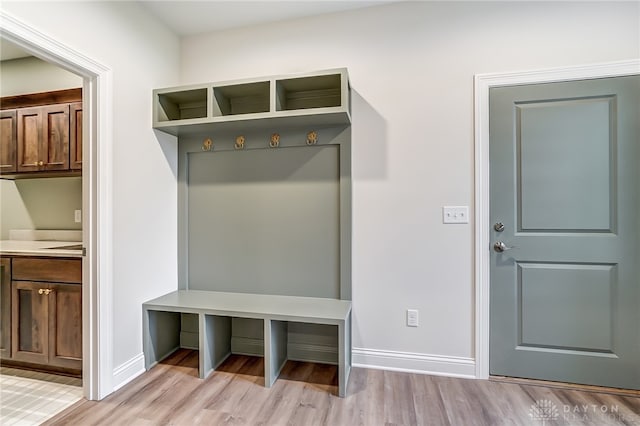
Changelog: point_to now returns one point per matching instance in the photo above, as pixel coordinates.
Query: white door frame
(96, 197)
(482, 84)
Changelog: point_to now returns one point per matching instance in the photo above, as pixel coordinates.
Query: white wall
(47, 203)
(142, 55)
(37, 203)
(33, 75)
(411, 67)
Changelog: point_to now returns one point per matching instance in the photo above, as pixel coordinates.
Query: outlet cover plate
(412, 317)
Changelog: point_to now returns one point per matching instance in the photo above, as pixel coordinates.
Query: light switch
(455, 214)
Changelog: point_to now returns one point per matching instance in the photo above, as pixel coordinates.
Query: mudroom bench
(215, 310)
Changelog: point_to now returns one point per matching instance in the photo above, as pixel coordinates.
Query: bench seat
(161, 324)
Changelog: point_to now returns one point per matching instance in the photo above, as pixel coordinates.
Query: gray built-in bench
(264, 223)
(161, 321)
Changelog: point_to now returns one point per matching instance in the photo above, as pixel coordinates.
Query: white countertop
(39, 248)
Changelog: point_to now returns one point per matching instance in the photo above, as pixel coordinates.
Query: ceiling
(196, 17)
(186, 18)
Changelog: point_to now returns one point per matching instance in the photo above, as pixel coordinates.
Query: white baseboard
(414, 363)
(126, 372)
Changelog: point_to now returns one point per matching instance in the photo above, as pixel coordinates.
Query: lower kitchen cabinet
(30, 323)
(46, 316)
(5, 308)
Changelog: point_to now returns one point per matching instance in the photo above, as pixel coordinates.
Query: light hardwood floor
(305, 394)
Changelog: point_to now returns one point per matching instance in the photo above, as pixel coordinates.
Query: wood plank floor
(305, 394)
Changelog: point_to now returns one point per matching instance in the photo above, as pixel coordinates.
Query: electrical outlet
(455, 214)
(77, 216)
(412, 317)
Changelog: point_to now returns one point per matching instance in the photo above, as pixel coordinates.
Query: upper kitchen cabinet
(75, 136)
(43, 138)
(318, 99)
(41, 135)
(8, 137)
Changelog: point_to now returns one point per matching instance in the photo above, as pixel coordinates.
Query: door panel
(5, 307)
(30, 322)
(65, 325)
(570, 140)
(29, 139)
(55, 148)
(564, 181)
(562, 321)
(8, 135)
(75, 138)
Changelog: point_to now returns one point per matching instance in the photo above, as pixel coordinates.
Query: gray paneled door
(565, 285)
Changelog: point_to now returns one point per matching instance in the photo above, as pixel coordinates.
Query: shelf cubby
(248, 98)
(182, 105)
(320, 91)
(317, 99)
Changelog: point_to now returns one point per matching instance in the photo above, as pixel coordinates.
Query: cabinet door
(54, 151)
(5, 307)
(29, 322)
(65, 325)
(29, 139)
(8, 141)
(75, 139)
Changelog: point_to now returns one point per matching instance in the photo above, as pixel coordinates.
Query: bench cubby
(215, 311)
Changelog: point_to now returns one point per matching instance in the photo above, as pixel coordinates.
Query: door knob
(500, 247)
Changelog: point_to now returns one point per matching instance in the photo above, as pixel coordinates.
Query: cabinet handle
(47, 291)
(41, 163)
(41, 291)
(35, 164)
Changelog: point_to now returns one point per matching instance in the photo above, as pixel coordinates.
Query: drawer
(52, 270)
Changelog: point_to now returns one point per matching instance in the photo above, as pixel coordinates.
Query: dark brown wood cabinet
(30, 323)
(5, 307)
(42, 136)
(65, 325)
(8, 138)
(75, 137)
(46, 313)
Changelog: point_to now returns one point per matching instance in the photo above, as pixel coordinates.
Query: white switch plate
(77, 216)
(455, 214)
(412, 317)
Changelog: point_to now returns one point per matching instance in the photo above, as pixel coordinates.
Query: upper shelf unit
(315, 99)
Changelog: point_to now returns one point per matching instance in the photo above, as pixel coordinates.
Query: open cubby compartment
(245, 98)
(181, 104)
(318, 91)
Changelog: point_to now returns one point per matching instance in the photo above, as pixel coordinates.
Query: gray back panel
(265, 221)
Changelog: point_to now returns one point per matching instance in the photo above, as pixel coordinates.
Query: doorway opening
(96, 197)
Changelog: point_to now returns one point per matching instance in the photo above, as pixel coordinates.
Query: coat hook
(275, 140)
(239, 142)
(312, 137)
(207, 144)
